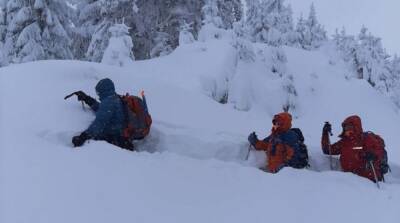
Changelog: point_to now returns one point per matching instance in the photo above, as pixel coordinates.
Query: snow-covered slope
(191, 168)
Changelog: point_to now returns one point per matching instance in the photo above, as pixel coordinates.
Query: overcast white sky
(381, 17)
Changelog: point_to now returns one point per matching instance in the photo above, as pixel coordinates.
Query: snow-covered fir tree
(3, 61)
(158, 20)
(212, 27)
(393, 82)
(3, 29)
(219, 15)
(222, 13)
(87, 17)
(95, 20)
(347, 47)
(367, 59)
(211, 14)
(151, 21)
(394, 66)
(271, 22)
(279, 67)
(279, 61)
(290, 104)
(119, 49)
(230, 11)
(301, 30)
(53, 19)
(36, 30)
(3, 25)
(310, 32)
(162, 45)
(372, 60)
(242, 43)
(185, 35)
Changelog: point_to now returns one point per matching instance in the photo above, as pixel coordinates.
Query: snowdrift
(191, 168)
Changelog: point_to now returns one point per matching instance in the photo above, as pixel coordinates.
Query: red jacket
(352, 150)
(277, 157)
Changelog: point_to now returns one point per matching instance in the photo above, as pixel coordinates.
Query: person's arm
(256, 143)
(261, 145)
(327, 148)
(93, 104)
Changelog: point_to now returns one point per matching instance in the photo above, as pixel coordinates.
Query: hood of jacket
(354, 121)
(105, 88)
(285, 122)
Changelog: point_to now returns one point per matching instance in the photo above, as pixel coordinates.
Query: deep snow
(191, 168)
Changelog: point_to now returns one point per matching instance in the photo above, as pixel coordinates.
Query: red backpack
(137, 118)
(384, 165)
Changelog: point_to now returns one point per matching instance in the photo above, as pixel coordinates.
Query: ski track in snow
(191, 168)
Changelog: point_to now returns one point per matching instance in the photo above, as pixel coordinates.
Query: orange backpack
(137, 118)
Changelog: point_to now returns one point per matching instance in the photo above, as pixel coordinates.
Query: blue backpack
(295, 139)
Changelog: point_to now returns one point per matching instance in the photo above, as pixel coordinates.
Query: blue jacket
(109, 112)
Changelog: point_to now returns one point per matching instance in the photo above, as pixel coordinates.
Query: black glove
(85, 98)
(80, 140)
(81, 96)
(370, 157)
(253, 139)
(327, 130)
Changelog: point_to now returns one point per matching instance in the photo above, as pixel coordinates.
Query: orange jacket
(278, 153)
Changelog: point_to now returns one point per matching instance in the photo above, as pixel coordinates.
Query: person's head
(352, 127)
(281, 122)
(105, 88)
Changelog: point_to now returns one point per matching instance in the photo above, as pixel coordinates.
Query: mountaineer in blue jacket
(110, 117)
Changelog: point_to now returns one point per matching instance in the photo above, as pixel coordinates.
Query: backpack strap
(125, 110)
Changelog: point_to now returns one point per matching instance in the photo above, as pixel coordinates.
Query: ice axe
(144, 100)
(72, 94)
(329, 148)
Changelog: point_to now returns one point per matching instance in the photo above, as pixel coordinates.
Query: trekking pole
(330, 158)
(375, 176)
(248, 152)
